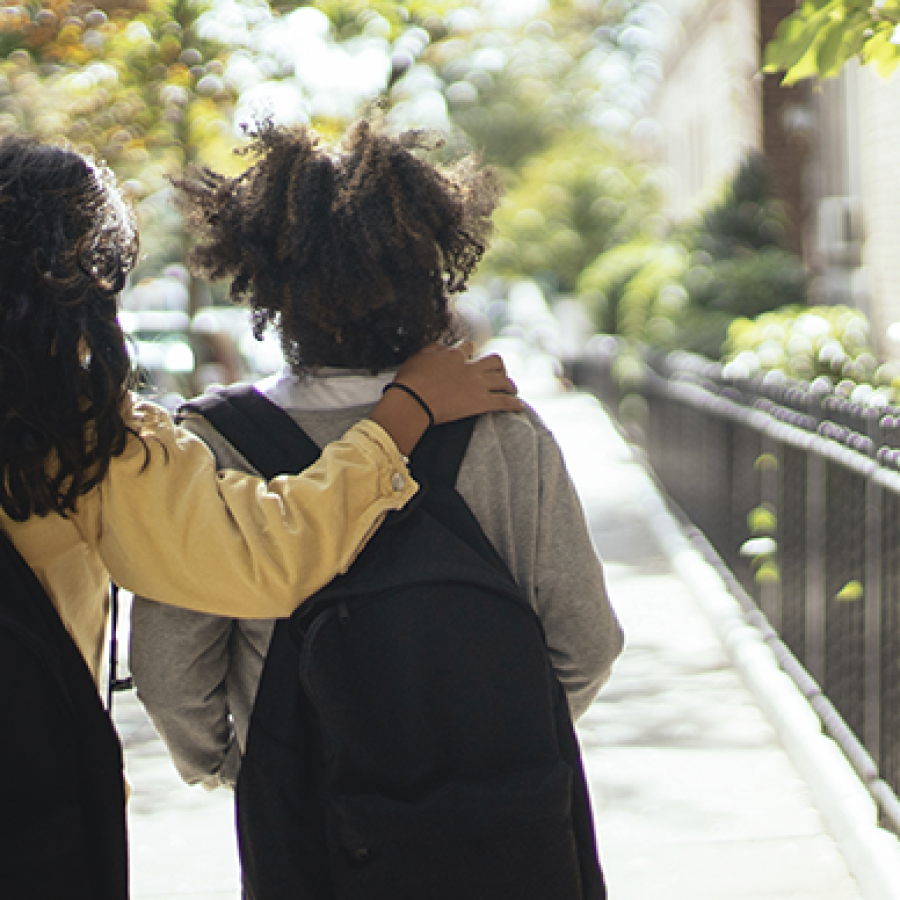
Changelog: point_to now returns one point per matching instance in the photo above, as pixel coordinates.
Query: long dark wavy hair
(67, 243)
(352, 251)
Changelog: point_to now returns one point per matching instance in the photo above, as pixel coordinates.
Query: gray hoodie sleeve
(516, 483)
(583, 634)
(197, 674)
(180, 661)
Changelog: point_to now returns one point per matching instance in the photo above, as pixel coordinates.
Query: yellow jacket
(216, 542)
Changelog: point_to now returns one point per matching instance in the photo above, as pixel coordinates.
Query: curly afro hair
(352, 251)
(67, 243)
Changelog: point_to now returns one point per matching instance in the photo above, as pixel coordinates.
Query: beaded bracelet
(408, 390)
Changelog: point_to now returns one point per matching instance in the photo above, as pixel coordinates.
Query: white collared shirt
(327, 388)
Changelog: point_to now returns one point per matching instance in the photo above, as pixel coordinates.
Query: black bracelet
(408, 390)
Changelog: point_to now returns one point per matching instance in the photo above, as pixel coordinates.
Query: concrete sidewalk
(695, 798)
(694, 795)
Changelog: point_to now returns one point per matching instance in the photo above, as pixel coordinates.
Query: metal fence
(798, 492)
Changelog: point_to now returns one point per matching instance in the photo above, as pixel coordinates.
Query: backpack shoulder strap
(435, 463)
(264, 433)
(440, 453)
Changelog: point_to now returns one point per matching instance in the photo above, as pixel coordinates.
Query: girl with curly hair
(353, 251)
(95, 482)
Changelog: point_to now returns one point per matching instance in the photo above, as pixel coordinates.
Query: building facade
(833, 150)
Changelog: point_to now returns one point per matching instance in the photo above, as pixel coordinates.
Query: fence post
(815, 568)
(872, 735)
(770, 462)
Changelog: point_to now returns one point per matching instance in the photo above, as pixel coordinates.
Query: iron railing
(798, 491)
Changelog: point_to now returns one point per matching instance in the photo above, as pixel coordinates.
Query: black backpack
(62, 800)
(409, 740)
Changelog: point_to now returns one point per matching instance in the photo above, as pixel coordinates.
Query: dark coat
(62, 802)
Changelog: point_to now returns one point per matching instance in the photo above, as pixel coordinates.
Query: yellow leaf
(851, 591)
(762, 520)
(768, 573)
(805, 68)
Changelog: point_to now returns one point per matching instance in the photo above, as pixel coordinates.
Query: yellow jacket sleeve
(168, 526)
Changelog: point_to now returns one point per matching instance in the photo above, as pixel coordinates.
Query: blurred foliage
(517, 88)
(829, 343)
(352, 18)
(683, 293)
(746, 218)
(153, 85)
(746, 285)
(623, 286)
(568, 205)
(738, 266)
(822, 35)
(548, 99)
(135, 85)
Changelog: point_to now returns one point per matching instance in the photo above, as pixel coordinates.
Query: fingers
(499, 382)
(455, 386)
(503, 402)
(491, 362)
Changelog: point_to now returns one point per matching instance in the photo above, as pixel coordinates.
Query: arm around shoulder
(170, 527)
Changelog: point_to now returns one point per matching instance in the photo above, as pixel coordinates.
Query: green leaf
(890, 10)
(829, 57)
(805, 68)
(888, 65)
(881, 51)
(768, 573)
(795, 35)
(857, 35)
(791, 41)
(820, 37)
(762, 520)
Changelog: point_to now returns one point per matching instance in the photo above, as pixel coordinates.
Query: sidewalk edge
(850, 814)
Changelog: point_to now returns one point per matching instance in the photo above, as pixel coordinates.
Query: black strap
(268, 438)
(274, 444)
(440, 453)
(115, 683)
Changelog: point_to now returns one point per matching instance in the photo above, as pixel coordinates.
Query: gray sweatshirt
(197, 674)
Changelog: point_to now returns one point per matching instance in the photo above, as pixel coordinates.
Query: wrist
(404, 420)
(400, 386)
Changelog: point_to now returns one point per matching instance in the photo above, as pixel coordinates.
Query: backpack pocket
(507, 839)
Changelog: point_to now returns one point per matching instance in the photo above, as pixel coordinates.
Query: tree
(138, 86)
(822, 35)
(683, 293)
(550, 99)
(566, 206)
(516, 87)
(153, 85)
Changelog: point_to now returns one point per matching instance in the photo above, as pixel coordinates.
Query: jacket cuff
(395, 483)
